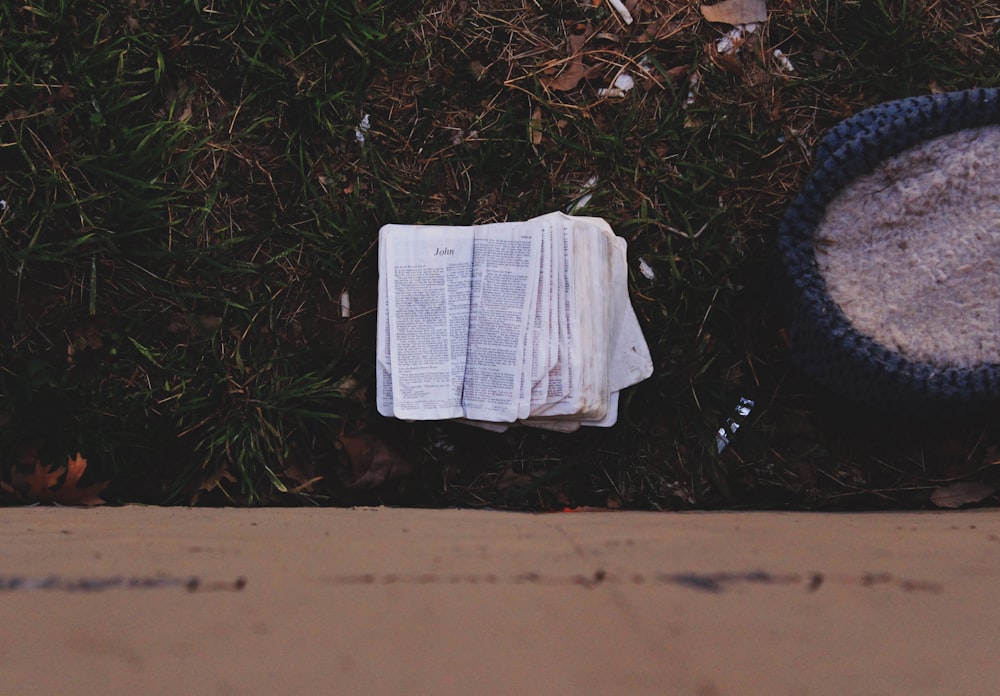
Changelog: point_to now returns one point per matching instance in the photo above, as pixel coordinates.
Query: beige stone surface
(387, 601)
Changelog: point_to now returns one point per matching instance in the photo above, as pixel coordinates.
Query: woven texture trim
(823, 342)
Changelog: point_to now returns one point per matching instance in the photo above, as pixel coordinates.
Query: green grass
(188, 200)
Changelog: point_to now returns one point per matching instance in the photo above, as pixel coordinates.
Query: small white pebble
(362, 130)
(783, 60)
(734, 38)
(693, 83)
(622, 84)
(647, 271)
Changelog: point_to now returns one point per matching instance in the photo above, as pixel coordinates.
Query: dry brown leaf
(535, 126)
(40, 485)
(372, 461)
(41, 481)
(576, 42)
(959, 494)
(674, 76)
(70, 494)
(730, 63)
(387, 464)
(210, 483)
(736, 11)
(358, 451)
(303, 475)
(575, 71)
(213, 481)
(75, 466)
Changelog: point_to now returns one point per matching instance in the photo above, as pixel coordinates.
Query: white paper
(511, 322)
(427, 286)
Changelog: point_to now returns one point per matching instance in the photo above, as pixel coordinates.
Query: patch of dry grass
(190, 202)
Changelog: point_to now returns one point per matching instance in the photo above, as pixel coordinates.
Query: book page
(504, 288)
(585, 278)
(629, 353)
(593, 286)
(610, 418)
(530, 326)
(540, 329)
(428, 274)
(629, 358)
(383, 376)
(562, 372)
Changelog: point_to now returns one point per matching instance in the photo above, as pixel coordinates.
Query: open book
(522, 322)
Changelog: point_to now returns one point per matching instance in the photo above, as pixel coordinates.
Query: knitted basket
(824, 344)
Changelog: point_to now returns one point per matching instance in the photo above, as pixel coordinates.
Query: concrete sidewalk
(386, 601)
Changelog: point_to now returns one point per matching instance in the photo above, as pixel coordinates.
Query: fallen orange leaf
(70, 494)
(41, 481)
(40, 485)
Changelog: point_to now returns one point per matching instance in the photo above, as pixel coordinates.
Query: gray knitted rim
(823, 342)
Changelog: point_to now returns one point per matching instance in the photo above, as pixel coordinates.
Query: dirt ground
(376, 600)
